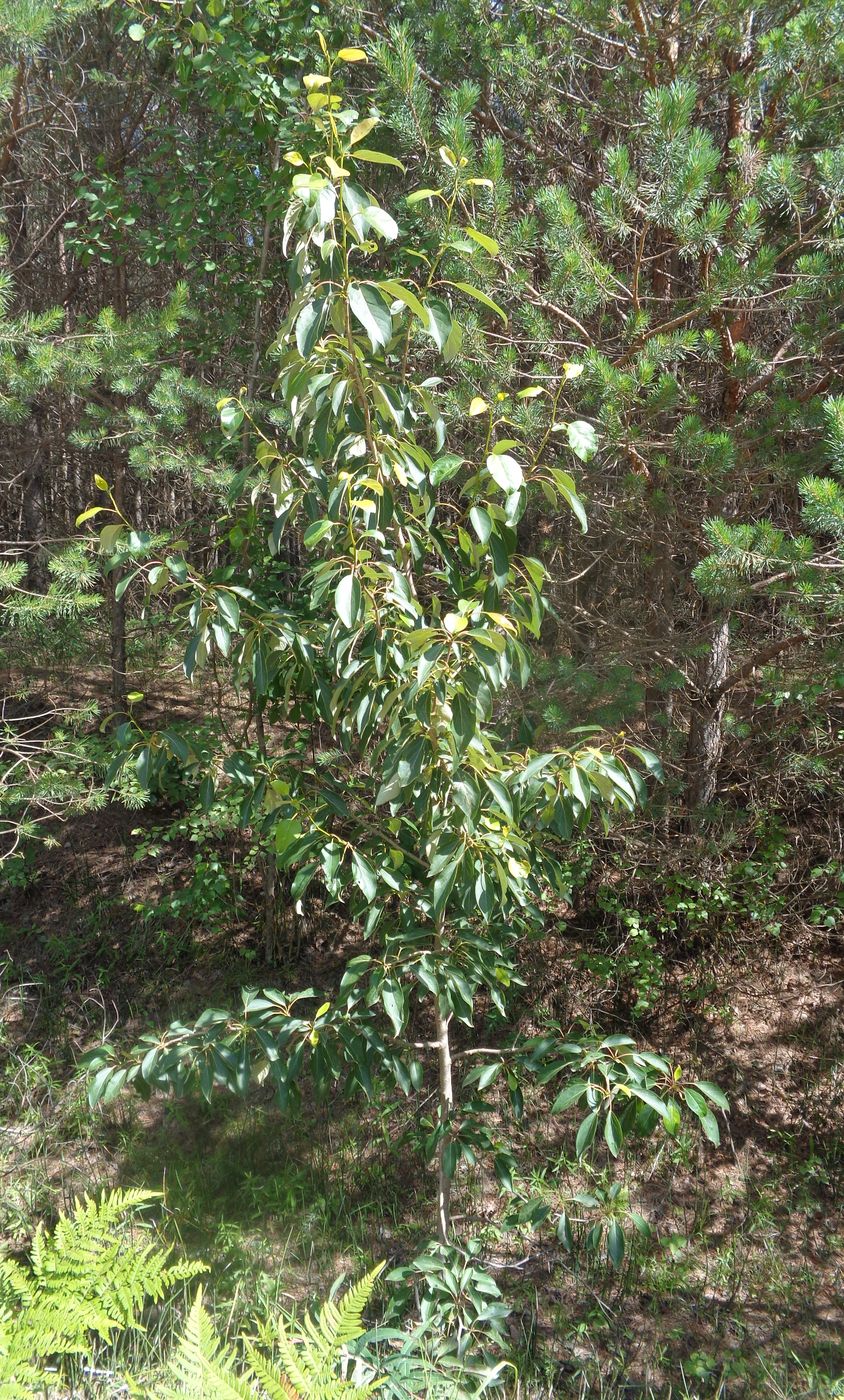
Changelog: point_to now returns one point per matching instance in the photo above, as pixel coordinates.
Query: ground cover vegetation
(420, 746)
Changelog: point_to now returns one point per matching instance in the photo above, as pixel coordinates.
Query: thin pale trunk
(446, 1109)
(117, 607)
(446, 1104)
(268, 864)
(117, 611)
(117, 648)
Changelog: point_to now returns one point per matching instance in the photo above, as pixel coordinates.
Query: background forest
(421, 715)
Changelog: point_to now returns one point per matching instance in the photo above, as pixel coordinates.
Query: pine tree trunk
(34, 508)
(706, 734)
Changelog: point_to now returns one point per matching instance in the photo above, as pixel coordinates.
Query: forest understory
(135, 918)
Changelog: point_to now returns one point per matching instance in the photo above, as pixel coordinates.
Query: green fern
(87, 1279)
(203, 1365)
(309, 1356)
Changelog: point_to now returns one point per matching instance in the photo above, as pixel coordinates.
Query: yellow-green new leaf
(89, 514)
(400, 292)
(377, 157)
(362, 129)
(480, 296)
(488, 244)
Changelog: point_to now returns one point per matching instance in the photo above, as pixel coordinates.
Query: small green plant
(461, 1310)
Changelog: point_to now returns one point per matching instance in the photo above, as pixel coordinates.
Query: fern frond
(274, 1383)
(309, 1357)
(87, 1278)
(203, 1366)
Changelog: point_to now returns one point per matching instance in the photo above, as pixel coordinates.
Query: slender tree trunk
(706, 734)
(446, 1107)
(34, 511)
(446, 1110)
(117, 646)
(269, 871)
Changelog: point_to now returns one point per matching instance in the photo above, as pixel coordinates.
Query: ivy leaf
(367, 307)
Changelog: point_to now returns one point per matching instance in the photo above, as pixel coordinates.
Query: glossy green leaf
(505, 471)
(438, 321)
(570, 1094)
(478, 295)
(444, 468)
(615, 1243)
(583, 440)
(347, 599)
(376, 157)
(309, 324)
(488, 244)
(368, 308)
(382, 222)
(364, 876)
(586, 1134)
